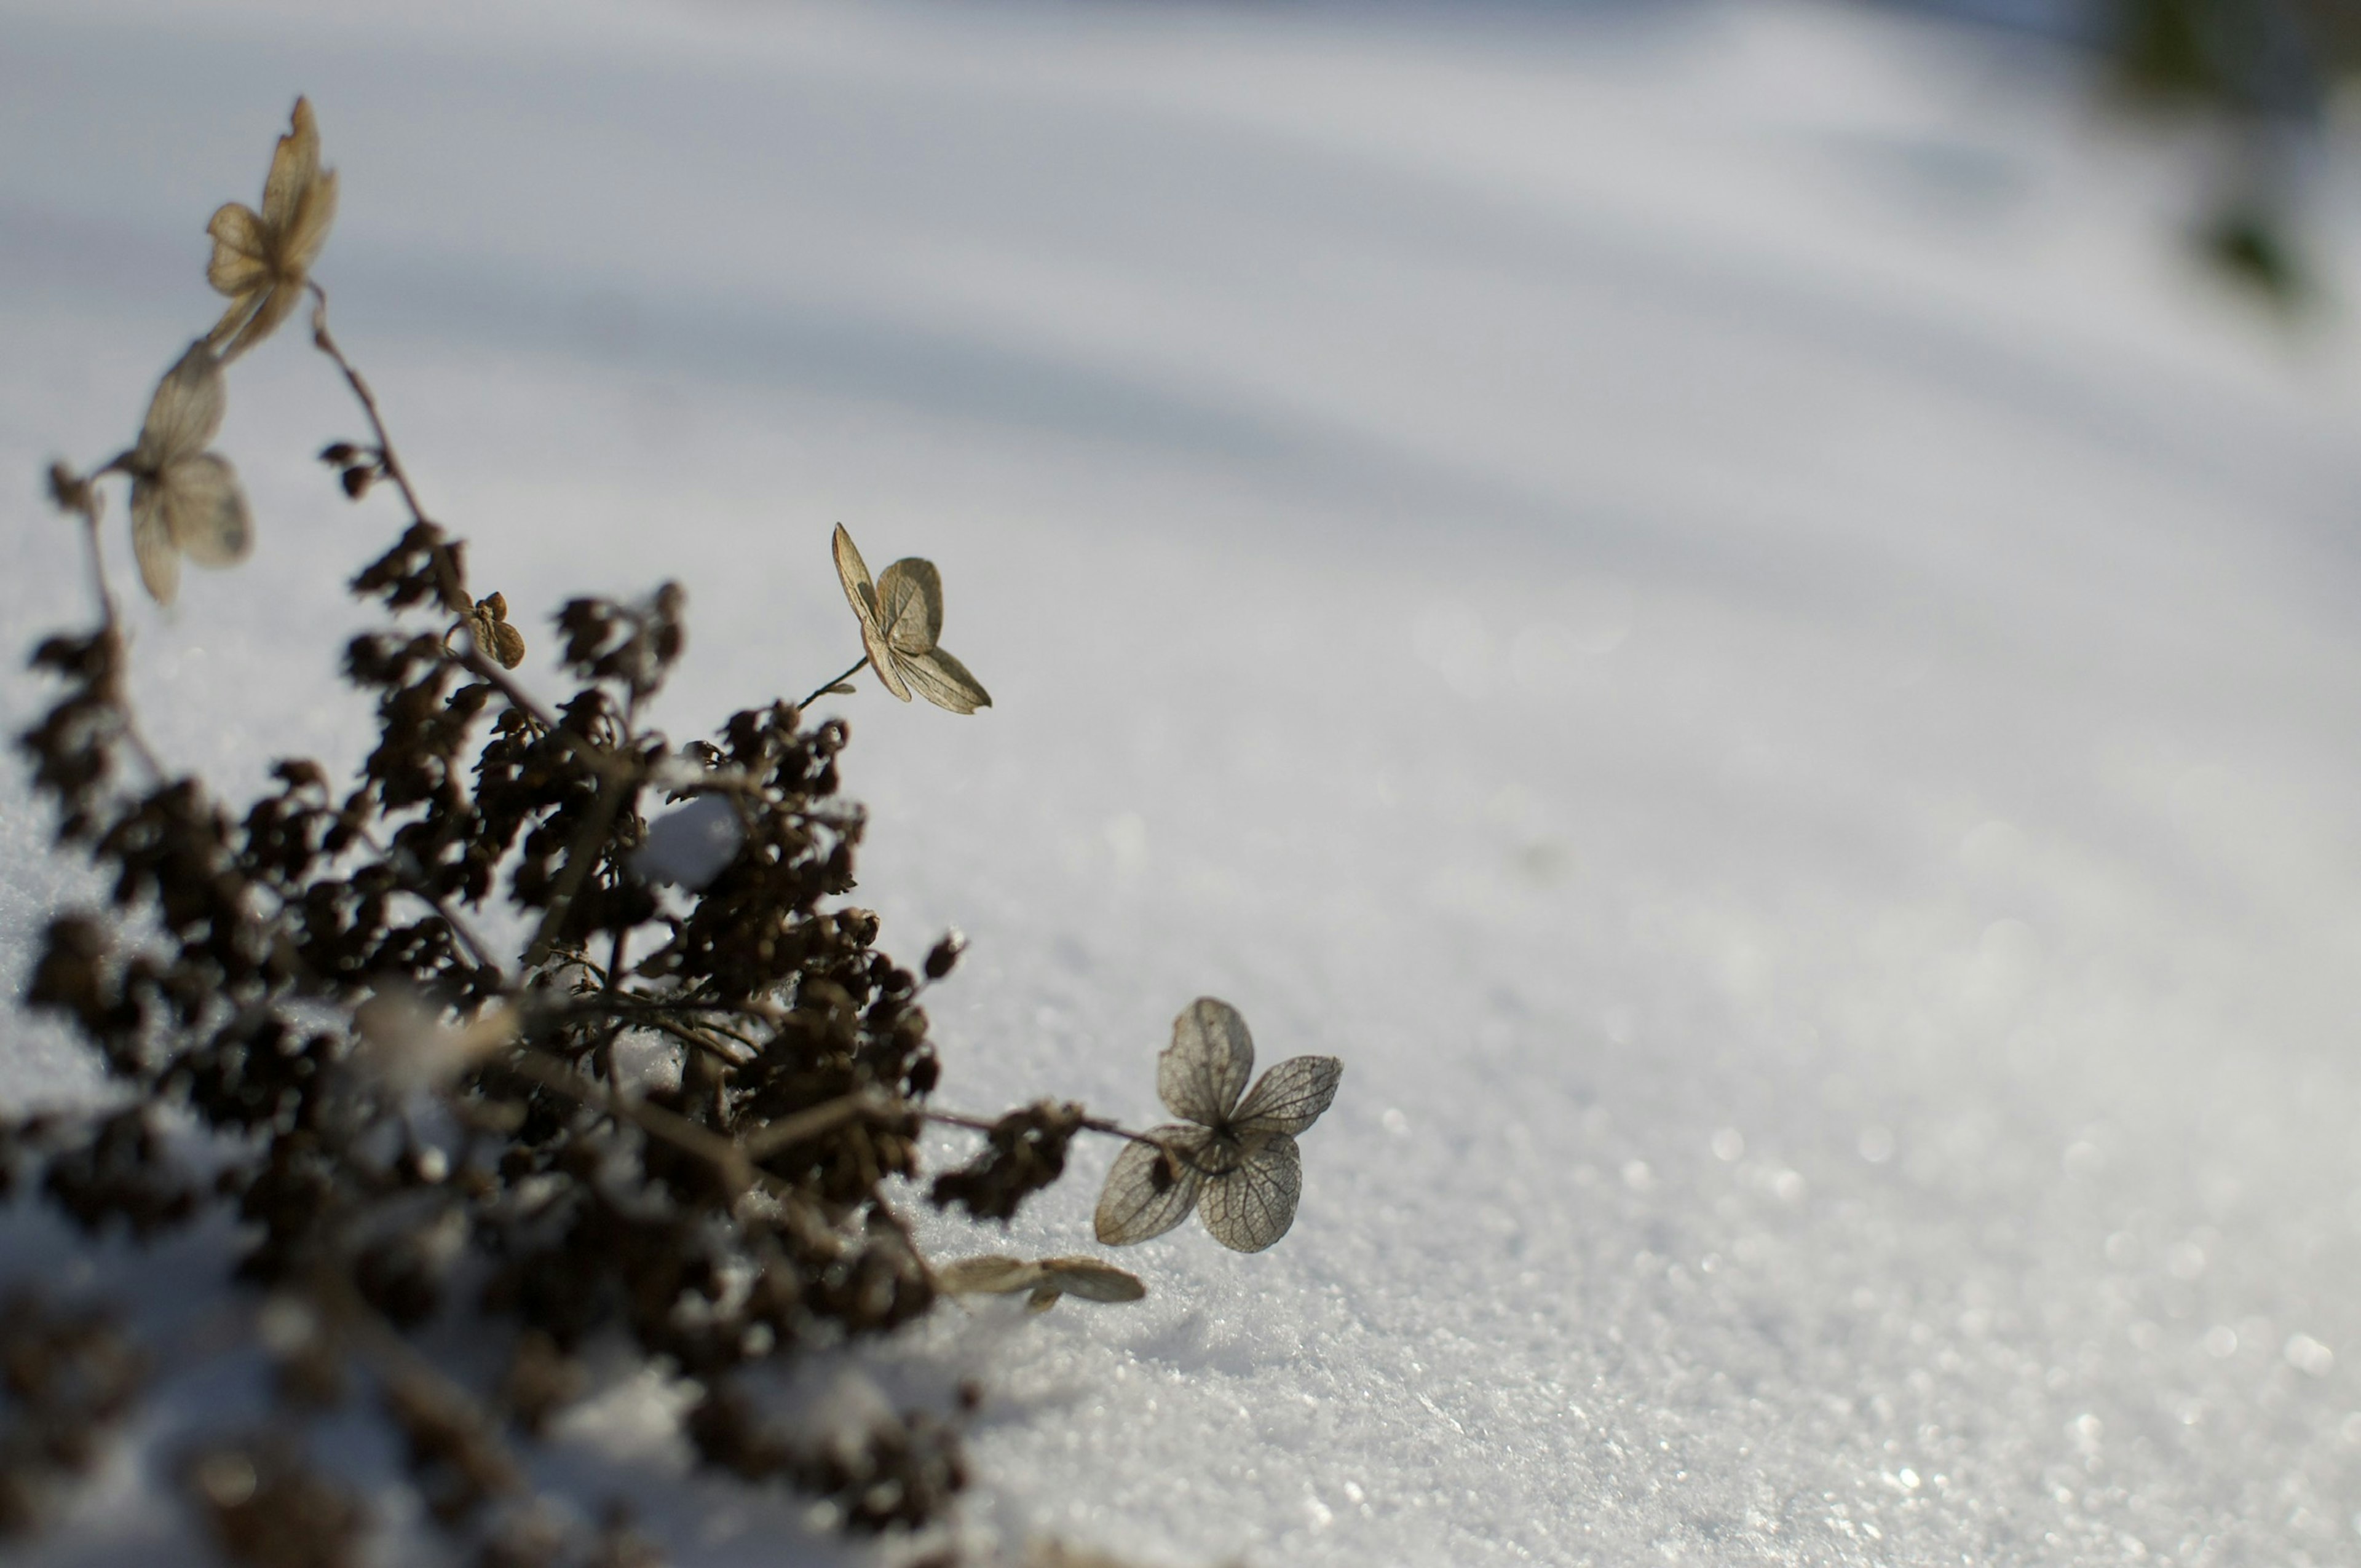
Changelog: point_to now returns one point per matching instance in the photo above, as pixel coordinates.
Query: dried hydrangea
(186, 500)
(901, 617)
(261, 260)
(1232, 1158)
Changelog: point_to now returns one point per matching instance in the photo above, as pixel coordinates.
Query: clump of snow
(1702, 601)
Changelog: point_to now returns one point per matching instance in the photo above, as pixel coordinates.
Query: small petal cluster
(901, 617)
(1232, 1158)
(262, 260)
(186, 500)
(1042, 1281)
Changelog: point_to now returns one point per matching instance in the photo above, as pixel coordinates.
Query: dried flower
(901, 616)
(488, 623)
(1044, 1280)
(184, 499)
(1238, 1165)
(260, 260)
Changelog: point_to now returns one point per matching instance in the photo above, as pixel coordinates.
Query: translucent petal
(1202, 1073)
(227, 331)
(206, 510)
(151, 542)
(270, 307)
(294, 165)
(307, 236)
(943, 681)
(987, 1276)
(185, 411)
(1151, 1187)
(910, 605)
(1289, 1097)
(1091, 1280)
(860, 592)
(237, 264)
(1250, 1208)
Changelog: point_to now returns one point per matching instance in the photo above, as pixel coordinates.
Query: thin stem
(829, 686)
(1087, 1125)
(821, 1118)
(111, 624)
(580, 856)
(459, 928)
(653, 1120)
(326, 344)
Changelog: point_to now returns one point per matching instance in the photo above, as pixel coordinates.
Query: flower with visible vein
(1232, 1158)
(262, 260)
(1043, 1279)
(186, 500)
(901, 616)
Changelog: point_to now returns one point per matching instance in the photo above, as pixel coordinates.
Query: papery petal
(987, 1276)
(184, 413)
(271, 307)
(1250, 1208)
(232, 325)
(943, 681)
(294, 165)
(1151, 1186)
(1091, 1280)
(910, 605)
(239, 265)
(307, 233)
(1202, 1073)
(206, 510)
(860, 592)
(151, 542)
(1289, 1097)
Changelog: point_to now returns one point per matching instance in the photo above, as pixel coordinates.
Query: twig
(829, 686)
(386, 459)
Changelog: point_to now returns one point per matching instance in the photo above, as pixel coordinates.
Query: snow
(1699, 592)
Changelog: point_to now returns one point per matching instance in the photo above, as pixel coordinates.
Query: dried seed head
(945, 955)
(488, 623)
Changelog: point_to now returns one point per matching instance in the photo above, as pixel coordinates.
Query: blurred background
(1747, 606)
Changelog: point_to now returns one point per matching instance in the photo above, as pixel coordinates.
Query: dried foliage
(665, 1125)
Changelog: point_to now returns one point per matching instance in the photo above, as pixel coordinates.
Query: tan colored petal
(860, 592)
(1091, 1280)
(206, 510)
(1251, 1207)
(184, 413)
(1291, 1096)
(272, 306)
(1202, 1073)
(239, 264)
(910, 605)
(294, 165)
(307, 232)
(152, 542)
(990, 1275)
(233, 321)
(943, 681)
(1151, 1186)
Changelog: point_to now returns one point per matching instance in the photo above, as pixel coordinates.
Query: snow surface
(1699, 592)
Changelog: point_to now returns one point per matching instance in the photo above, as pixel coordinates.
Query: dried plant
(1234, 1160)
(664, 1125)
